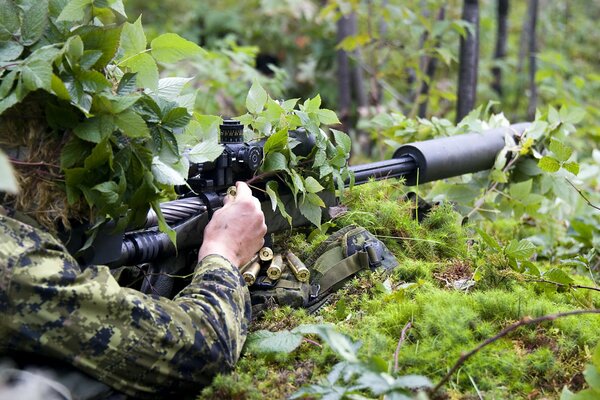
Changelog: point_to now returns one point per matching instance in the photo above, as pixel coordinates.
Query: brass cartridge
(298, 268)
(265, 254)
(251, 273)
(276, 268)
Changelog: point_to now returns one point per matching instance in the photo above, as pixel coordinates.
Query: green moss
(444, 323)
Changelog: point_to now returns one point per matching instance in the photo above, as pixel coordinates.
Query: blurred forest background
(366, 58)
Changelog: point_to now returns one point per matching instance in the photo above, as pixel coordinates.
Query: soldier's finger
(243, 191)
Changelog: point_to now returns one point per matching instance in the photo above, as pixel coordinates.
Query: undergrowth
(446, 319)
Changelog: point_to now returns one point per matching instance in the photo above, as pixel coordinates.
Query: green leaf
(109, 191)
(272, 191)
(170, 48)
(572, 115)
(205, 151)
(275, 162)
(328, 117)
(10, 50)
(37, 74)
(312, 185)
(312, 105)
(104, 39)
(256, 99)
(74, 10)
(340, 343)
(559, 276)
(342, 141)
(8, 182)
(490, 241)
(311, 211)
(95, 129)
(170, 88)
(7, 83)
(162, 224)
(93, 81)
(115, 104)
(572, 167)
(276, 142)
(262, 341)
(289, 105)
(118, 7)
(73, 152)
(549, 164)
(592, 377)
(101, 155)
(127, 84)
(132, 124)
(35, 20)
(166, 174)
(9, 19)
(446, 55)
(562, 152)
(521, 190)
(133, 39)
(177, 117)
(90, 58)
(146, 69)
(521, 250)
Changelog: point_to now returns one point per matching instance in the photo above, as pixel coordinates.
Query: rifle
(418, 163)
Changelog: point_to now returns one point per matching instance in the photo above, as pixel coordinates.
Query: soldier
(142, 345)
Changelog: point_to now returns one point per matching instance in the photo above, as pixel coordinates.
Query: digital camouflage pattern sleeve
(142, 345)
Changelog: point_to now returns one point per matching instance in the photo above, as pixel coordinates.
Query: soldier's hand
(237, 230)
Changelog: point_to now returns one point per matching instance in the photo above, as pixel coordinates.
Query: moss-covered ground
(533, 362)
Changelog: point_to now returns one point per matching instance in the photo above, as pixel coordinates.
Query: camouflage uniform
(143, 345)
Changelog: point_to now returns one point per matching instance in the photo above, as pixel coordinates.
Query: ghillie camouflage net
(34, 149)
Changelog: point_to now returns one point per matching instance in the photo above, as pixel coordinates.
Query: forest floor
(450, 293)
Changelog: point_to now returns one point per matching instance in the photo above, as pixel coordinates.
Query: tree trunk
(430, 67)
(468, 61)
(344, 79)
(357, 73)
(501, 38)
(376, 89)
(533, 7)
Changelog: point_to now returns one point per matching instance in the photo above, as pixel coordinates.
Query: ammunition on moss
(298, 268)
(276, 268)
(265, 254)
(251, 273)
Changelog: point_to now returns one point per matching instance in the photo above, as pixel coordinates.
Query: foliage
(323, 168)
(130, 135)
(592, 378)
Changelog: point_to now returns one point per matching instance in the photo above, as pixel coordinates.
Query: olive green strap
(338, 273)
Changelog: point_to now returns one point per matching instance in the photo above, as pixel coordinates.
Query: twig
(260, 177)
(33, 164)
(565, 285)
(583, 195)
(400, 342)
(313, 342)
(524, 321)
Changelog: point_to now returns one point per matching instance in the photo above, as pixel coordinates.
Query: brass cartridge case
(265, 254)
(276, 268)
(298, 268)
